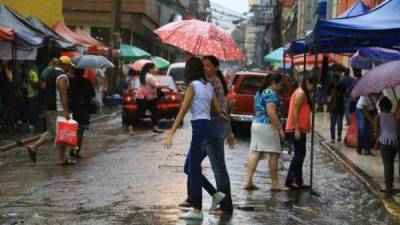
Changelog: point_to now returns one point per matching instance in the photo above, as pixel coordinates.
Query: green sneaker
(192, 215)
(217, 198)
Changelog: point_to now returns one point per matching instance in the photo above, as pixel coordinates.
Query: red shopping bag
(67, 132)
(351, 138)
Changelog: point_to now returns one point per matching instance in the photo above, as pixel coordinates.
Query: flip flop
(158, 131)
(250, 188)
(68, 162)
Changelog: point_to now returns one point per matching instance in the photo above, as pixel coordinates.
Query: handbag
(160, 93)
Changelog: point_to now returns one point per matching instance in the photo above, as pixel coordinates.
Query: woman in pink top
(298, 125)
(146, 96)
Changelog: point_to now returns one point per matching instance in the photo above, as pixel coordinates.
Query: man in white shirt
(366, 111)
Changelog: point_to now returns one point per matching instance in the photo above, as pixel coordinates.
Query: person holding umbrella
(200, 98)
(336, 103)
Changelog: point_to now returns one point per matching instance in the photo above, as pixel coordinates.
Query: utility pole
(115, 41)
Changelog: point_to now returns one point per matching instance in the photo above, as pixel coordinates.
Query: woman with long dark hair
(298, 125)
(266, 132)
(199, 97)
(146, 96)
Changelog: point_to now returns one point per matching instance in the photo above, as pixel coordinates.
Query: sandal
(68, 162)
(158, 131)
(386, 190)
(250, 188)
(185, 204)
(280, 189)
(293, 186)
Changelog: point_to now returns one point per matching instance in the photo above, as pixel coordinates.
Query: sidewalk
(7, 140)
(369, 169)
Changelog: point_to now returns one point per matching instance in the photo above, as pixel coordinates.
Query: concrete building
(138, 20)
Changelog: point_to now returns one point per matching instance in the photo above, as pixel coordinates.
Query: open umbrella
(138, 64)
(379, 78)
(91, 61)
(275, 56)
(129, 52)
(161, 63)
(200, 38)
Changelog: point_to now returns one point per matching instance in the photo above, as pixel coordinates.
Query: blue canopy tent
(378, 27)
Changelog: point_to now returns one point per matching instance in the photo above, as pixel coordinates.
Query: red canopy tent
(298, 60)
(94, 47)
(6, 33)
(100, 49)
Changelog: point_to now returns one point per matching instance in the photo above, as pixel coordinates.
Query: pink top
(148, 91)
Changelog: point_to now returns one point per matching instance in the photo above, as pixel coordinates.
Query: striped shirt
(220, 95)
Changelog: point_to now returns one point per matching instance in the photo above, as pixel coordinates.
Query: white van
(176, 71)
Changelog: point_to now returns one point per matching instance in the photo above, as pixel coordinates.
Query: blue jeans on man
(336, 121)
(364, 133)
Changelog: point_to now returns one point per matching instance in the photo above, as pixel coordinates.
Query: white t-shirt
(58, 97)
(366, 101)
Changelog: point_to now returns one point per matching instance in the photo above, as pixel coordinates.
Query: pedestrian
(56, 104)
(298, 125)
(266, 132)
(348, 82)
(220, 131)
(147, 96)
(100, 85)
(199, 97)
(336, 103)
(366, 111)
(386, 131)
(82, 105)
(32, 89)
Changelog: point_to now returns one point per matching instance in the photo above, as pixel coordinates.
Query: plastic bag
(67, 132)
(351, 139)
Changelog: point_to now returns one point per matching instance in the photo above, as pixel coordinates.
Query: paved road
(132, 180)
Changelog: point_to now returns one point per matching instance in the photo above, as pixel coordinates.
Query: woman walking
(81, 94)
(146, 96)
(336, 103)
(266, 132)
(199, 97)
(298, 125)
(386, 131)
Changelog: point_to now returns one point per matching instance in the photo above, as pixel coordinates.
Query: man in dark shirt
(336, 102)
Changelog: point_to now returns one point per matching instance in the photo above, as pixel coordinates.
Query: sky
(235, 5)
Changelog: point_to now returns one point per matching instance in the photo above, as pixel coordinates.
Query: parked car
(168, 106)
(177, 71)
(243, 88)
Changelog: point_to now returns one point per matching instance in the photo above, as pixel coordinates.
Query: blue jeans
(295, 173)
(336, 119)
(388, 154)
(216, 153)
(200, 137)
(364, 132)
(347, 103)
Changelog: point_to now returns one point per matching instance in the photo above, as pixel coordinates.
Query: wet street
(132, 180)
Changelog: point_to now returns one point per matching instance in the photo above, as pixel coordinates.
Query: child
(386, 130)
(198, 97)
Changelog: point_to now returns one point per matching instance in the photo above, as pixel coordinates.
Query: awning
(6, 33)
(356, 9)
(275, 56)
(378, 27)
(96, 47)
(52, 35)
(23, 30)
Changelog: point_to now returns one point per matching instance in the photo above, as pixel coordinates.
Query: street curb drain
(9, 147)
(389, 203)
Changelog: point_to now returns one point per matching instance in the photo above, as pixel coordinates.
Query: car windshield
(177, 73)
(163, 80)
(250, 84)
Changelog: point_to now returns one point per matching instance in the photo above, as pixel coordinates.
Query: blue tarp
(378, 27)
(24, 31)
(380, 54)
(356, 9)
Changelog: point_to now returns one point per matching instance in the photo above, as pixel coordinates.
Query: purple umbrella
(379, 78)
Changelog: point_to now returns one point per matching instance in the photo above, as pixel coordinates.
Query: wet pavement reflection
(131, 180)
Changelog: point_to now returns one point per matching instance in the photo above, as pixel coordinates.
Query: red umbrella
(379, 78)
(200, 38)
(138, 64)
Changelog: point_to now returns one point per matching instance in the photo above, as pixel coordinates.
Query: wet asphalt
(126, 179)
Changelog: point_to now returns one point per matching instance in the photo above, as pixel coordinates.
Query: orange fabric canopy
(6, 33)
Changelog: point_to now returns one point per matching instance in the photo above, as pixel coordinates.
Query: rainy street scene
(158, 112)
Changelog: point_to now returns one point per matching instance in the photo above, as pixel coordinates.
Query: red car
(241, 96)
(168, 106)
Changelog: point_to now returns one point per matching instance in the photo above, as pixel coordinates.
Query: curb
(389, 203)
(29, 140)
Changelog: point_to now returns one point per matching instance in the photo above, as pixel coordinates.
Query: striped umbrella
(379, 78)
